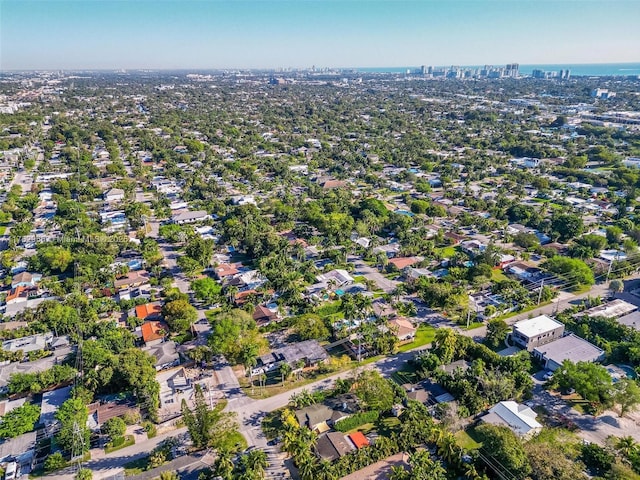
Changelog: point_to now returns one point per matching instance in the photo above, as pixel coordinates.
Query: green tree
(590, 380)
(626, 394)
(180, 315)
(573, 270)
(19, 420)
(374, 391)
(311, 326)
(200, 250)
(72, 415)
(207, 427)
(445, 344)
(497, 331)
(115, 428)
(233, 334)
(136, 372)
(566, 226)
(616, 286)
(502, 445)
(549, 461)
(84, 474)
(55, 461)
(206, 289)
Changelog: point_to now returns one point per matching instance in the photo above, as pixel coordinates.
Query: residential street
(373, 274)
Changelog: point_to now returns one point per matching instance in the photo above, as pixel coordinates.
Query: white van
(11, 472)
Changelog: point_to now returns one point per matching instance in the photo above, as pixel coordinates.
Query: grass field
(447, 252)
(466, 440)
(498, 275)
(424, 336)
(128, 441)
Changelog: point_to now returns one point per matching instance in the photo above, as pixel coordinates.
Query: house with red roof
(359, 440)
(153, 332)
(149, 311)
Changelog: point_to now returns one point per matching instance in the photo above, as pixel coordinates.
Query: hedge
(356, 421)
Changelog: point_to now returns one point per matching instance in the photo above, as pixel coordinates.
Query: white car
(548, 376)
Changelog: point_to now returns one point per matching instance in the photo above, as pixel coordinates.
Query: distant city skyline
(219, 34)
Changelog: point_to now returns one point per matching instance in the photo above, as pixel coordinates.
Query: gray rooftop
(51, 402)
(631, 320)
(571, 348)
(20, 446)
(614, 309)
(309, 350)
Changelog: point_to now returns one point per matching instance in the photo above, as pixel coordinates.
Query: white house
(189, 217)
(114, 195)
(518, 418)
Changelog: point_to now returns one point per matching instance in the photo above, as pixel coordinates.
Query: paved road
(592, 429)
(373, 274)
(564, 301)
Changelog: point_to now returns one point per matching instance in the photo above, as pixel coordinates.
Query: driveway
(373, 274)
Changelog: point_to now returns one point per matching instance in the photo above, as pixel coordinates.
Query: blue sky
(62, 34)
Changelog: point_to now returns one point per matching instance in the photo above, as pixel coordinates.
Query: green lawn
(473, 325)
(136, 467)
(359, 279)
(447, 252)
(128, 441)
(498, 275)
(2, 229)
(424, 336)
(466, 440)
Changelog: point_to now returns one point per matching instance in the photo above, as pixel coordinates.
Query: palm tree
(325, 471)
(285, 371)
(625, 445)
(257, 459)
(224, 464)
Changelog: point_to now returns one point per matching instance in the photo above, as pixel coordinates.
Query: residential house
(51, 403)
(390, 250)
(32, 343)
(149, 311)
(101, 412)
(174, 387)
(614, 309)
(403, 329)
(359, 440)
(570, 347)
(189, 217)
(134, 278)
(338, 276)
(520, 419)
(153, 332)
(20, 294)
(403, 262)
(333, 445)
(315, 417)
(26, 279)
(225, 270)
(537, 331)
(472, 247)
(412, 274)
(263, 315)
(457, 365)
(20, 452)
(166, 354)
(114, 195)
(309, 352)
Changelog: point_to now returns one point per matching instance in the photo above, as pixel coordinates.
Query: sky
(231, 34)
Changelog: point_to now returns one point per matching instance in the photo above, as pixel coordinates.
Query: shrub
(356, 421)
(55, 461)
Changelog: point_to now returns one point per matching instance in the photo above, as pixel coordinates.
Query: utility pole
(540, 292)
